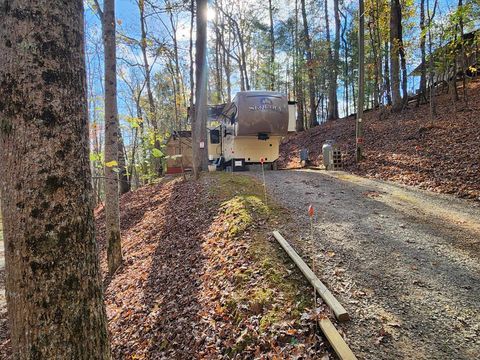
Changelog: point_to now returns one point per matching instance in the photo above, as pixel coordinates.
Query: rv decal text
(266, 104)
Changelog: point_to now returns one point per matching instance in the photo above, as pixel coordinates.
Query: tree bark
(112, 211)
(190, 54)
(124, 178)
(403, 59)
(361, 82)
(311, 76)
(53, 286)
(463, 54)
(433, 111)
(199, 126)
(332, 112)
(345, 73)
(299, 78)
(331, 91)
(423, 67)
(272, 47)
(376, 58)
(395, 18)
(388, 88)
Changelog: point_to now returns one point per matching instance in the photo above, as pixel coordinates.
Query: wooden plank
(337, 308)
(335, 339)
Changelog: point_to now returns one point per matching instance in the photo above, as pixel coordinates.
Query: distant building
(179, 152)
(444, 65)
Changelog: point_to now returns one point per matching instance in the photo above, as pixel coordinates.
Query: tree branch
(99, 10)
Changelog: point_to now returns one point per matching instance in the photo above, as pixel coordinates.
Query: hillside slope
(203, 278)
(407, 148)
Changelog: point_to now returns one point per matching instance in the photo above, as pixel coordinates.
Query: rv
(245, 132)
(251, 128)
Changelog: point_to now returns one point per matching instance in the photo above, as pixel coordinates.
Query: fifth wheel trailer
(251, 128)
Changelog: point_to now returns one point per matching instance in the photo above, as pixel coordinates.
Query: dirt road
(404, 262)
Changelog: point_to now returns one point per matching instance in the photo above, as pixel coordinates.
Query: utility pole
(361, 81)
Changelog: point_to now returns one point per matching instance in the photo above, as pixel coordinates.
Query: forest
(124, 235)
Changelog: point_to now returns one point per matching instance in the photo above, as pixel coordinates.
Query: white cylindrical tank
(327, 152)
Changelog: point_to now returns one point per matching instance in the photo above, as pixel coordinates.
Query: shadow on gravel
(420, 274)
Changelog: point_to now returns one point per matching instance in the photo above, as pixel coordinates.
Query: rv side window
(215, 136)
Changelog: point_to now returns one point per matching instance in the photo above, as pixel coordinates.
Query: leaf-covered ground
(203, 278)
(406, 147)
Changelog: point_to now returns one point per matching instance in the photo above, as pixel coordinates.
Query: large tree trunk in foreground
(53, 287)
(199, 126)
(112, 212)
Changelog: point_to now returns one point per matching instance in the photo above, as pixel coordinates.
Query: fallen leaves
(201, 279)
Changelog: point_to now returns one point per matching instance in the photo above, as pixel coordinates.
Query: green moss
(269, 319)
(6, 126)
(270, 274)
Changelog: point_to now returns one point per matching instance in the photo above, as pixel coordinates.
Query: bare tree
(112, 128)
(53, 286)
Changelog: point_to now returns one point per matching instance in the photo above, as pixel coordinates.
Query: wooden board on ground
(335, 339)
(337, 308)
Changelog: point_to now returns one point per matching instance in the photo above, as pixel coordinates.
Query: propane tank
(327, 152)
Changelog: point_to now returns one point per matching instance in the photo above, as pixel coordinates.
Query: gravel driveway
(404, 262)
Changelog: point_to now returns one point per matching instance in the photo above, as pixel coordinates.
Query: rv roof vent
(263, 136)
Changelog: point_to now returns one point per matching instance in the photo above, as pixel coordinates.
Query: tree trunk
(361, 82)
(310, 67)
(272, 47)
(243, 59)
(190, 53)
(371, 29)
(379, 67)
(152, 116)
(177, 76)
(345, 73)
(331, 90)
(463, 54)
(53, 286)
(199, 126)
(298, 76)
(332, 93)
(388, 88)
(423, 67)
(124, 178)
(395, 18)
(112, 212)
(433, 111)
(218, 60)
(403, 60)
